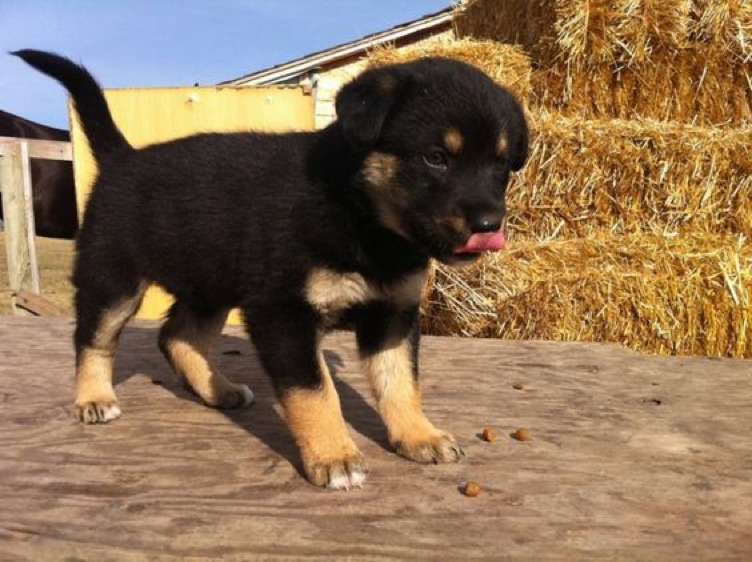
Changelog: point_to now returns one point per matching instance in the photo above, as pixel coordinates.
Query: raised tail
(91, 105)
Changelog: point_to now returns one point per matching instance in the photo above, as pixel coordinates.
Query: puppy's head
(438, 140)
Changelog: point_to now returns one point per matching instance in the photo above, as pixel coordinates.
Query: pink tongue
(483, 242)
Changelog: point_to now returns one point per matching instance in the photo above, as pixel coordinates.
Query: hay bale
(726, 23)
(505, 21)
(686, 60)
(506, 64)
(627, 31)
(690, 295)
(631, 177)
(579, 31)
(690, 86)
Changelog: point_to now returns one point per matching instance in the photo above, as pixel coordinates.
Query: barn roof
(435, 22)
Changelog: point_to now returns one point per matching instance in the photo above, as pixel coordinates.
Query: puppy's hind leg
(101, 313)
(186, 340)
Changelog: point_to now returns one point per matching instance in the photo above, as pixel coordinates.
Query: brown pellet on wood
(471, 489)
(488, 434)
(518, 386)
(521, 434)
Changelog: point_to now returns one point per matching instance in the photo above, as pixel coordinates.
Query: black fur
(104, 137)
(222, 220)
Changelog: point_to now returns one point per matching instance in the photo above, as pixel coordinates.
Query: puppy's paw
(97, 412)
(227, 397)
(438, 448)
(239, 396)
(342, 474)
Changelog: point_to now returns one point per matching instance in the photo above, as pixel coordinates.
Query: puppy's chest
(332, 293)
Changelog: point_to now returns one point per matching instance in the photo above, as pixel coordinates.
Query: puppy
(304, 232)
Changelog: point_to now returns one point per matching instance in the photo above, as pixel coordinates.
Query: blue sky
(175, 42)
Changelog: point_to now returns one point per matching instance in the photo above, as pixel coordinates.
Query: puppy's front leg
(289, 350)
(388, 343)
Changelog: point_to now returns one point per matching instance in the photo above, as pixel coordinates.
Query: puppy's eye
(436, 159)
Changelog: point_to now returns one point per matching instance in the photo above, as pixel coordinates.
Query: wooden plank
(43, 149)
(631, 457)
(39, 306)
(15, 182)
(28, 210)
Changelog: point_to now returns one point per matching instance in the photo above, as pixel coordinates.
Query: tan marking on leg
(502, 144)
(330, 457)
(95, 397)
(453, 140)
(187, 342)
(397, 393)
(113, 320)
(331, 291)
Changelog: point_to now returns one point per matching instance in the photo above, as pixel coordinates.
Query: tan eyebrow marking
(453, 140)
(502, 144)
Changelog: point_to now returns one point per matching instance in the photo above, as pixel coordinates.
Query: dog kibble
(518, 386)
(471, 489)
(521, 434)
(489, 435)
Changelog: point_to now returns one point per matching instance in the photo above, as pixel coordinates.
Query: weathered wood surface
(18, 213)
(631, 457)
(44, 149)
(39, 306)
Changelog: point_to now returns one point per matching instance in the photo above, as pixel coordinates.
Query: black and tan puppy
(302, 231)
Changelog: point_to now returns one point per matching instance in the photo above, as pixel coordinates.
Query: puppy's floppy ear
(364, 104)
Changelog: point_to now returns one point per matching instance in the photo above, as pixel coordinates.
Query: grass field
(55, 259)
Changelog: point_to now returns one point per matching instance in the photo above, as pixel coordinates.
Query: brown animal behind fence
(53, 189)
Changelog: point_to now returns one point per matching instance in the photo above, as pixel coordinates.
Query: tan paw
(342, 474)
(438, 448)
(97, 412)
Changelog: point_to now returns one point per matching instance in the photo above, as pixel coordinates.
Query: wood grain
(44, 149)
(629, 457)
(38, 305)
(18, 213)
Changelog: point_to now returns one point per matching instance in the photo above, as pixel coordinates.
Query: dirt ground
(55, 259)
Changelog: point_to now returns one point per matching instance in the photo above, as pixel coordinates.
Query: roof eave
(299, 66)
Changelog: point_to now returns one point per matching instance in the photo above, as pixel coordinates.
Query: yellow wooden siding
(151, 115)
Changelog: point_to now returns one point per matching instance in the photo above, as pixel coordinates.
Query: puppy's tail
(104, 136)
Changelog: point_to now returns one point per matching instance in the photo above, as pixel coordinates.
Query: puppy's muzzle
(485, 222)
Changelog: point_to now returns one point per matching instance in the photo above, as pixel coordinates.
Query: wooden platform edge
(38, 305)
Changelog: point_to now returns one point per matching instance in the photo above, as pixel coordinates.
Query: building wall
(331, 79)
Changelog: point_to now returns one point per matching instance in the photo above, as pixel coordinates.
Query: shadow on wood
(629, 456)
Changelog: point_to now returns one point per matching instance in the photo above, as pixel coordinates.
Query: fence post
(18, 213)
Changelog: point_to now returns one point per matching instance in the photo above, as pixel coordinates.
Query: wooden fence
(18, 213)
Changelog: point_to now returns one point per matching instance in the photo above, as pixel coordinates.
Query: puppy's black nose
(485, 223)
